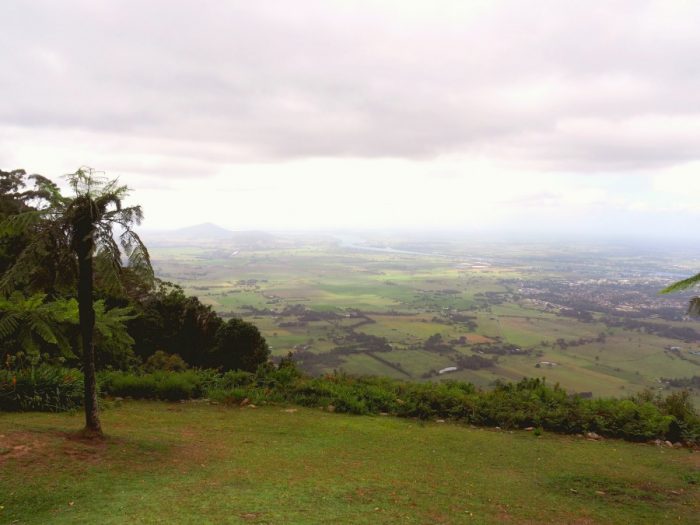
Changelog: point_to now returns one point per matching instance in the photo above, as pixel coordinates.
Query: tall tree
(85, 223)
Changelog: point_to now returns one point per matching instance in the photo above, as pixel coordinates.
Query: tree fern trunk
(87, 326)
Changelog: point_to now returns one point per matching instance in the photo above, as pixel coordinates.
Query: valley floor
(200, 463)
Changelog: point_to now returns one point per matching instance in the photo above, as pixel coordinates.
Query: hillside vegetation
(528, 403)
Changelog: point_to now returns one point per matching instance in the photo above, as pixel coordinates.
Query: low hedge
(528, 403)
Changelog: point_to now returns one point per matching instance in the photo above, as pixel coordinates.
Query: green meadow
(208, 464)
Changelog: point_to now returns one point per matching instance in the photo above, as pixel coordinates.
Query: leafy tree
(14, 199)
(77, 233)
(239, 346)
(690, 282)
(172, 322)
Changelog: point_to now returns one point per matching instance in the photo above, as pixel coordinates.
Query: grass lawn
(199, 463)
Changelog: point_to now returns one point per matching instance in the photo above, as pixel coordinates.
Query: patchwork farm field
(587, 317)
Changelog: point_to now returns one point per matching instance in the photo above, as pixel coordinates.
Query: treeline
(683, 382)
(682, 333)
(139, 321)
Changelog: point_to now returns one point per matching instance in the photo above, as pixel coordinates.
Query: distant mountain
(207, 232)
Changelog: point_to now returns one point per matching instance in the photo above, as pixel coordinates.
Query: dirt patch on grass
(694, 458)
(16, 445)
(52, 447)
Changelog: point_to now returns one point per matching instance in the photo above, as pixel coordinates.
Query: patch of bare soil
(15, 445)
(49, 447)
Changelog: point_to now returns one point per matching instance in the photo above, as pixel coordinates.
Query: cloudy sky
(527, 116)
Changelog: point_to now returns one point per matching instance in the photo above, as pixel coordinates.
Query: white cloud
(405, 113)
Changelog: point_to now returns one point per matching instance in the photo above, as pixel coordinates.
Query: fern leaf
(682, 285)
(8, 324)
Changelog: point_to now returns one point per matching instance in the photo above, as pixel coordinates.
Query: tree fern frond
(108, 272)
(139, 259)
(682, 285)
(20, 223)
(105, 200)
(43, 330)
(23, 268)
(8, 324)
(28, 343)
(125, 217)
(64, 311)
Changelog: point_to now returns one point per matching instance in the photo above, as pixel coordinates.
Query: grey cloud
(239, 81)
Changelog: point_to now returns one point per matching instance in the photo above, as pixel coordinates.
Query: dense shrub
(164, 361)
(42, 388)
(169, 386)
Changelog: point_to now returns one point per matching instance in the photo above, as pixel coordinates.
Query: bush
(164, 361)
(168, 386)
(43, 388)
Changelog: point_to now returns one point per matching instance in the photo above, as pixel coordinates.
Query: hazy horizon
(392, 236)
(536, 119)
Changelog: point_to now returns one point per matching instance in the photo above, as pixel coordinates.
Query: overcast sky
(527, 116)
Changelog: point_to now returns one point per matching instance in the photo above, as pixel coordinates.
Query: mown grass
(198, 463)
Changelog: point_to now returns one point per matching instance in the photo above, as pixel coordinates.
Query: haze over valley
(586, 315)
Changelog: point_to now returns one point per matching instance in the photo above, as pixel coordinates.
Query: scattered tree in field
(77, 234)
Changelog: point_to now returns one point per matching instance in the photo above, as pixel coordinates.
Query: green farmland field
(491, 294)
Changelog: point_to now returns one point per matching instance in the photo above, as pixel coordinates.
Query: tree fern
(79, 232)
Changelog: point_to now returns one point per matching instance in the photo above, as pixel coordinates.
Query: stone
(593, 436)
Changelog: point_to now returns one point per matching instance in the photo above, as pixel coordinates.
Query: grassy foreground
(200, 463)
